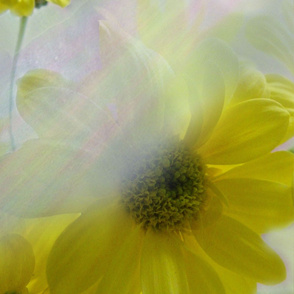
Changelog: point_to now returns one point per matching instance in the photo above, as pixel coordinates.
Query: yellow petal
(123, 275)
(246, 130)
(211, 211)
(42, 233)
(24, 7)
(39, 78)
(3, 7)
(276, 167)
(162, 265)
(252, 84)
(41, 179)
(240, 250)
(232, 283)
(262, 205)
(16, 263)
(282, 91)
(201, 276)
(83, 252)
(62, 3)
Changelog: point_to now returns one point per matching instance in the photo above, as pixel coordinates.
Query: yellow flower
(26, 7)
(179, 184)
(16, 264)
(42, 233)
(24, 248)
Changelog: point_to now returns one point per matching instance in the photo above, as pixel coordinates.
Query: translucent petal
(239, 249)
(268, 35)
(212, 74)
(43, 179)
(252, 84)
(140, 76)
(17, 263)
(288, 7)
(47, 103)
(162, 265)
(246, 130)
(218, 53)
(156, 21)
(208, 91)
(261, 205)
(178, 111)
(226, 29)
(83, 252)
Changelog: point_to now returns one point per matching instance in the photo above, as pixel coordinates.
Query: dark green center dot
(40, 3)
(167, 189)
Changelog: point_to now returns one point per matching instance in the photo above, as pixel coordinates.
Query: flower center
(167, 188)
(40, 3)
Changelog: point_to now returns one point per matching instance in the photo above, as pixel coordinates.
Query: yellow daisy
(26, 7)
(181, 184)
(178, 222)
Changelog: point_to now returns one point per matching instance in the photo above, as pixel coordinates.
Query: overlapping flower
(172, 172)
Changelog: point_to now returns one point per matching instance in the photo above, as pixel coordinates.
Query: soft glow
(150, 147)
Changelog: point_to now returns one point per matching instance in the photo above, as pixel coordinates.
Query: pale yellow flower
(26, 7)
(175, 176)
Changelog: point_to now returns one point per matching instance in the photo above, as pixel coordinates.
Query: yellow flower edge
(146, 232)
(26, 7)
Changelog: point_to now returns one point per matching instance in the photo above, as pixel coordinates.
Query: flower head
(26, 7)
(175, 178)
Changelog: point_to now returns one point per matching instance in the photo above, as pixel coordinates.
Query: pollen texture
(166, 189)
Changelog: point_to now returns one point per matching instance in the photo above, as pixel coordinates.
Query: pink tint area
(213, 10)
(286, 146)
(124, 12)
(70, 48)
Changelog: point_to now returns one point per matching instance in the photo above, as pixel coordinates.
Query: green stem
(22, 27)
